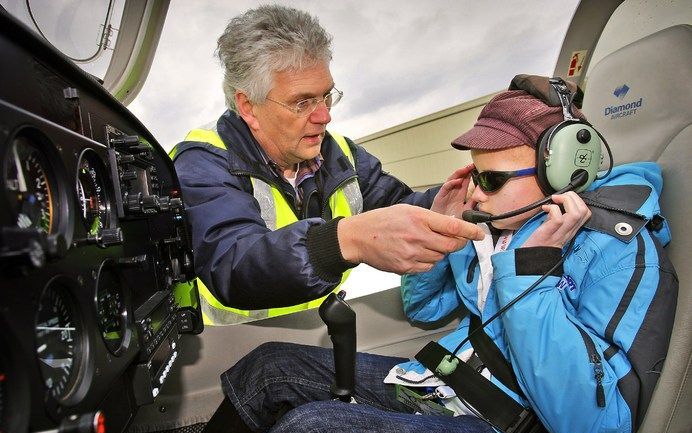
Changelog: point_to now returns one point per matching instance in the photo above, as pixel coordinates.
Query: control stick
(341, 326)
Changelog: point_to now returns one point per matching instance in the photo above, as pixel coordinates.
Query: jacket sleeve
(570, 338)
(380, 188)
(430, 296)
(236, 255)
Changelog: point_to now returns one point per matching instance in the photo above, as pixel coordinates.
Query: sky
(395, 60)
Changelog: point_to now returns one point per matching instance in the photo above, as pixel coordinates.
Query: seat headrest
(640, 96)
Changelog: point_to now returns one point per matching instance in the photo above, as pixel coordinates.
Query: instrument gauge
(30, 186)
(112, 309)
(92, 193)
(59, 339)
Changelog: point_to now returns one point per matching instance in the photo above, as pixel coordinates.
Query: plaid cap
(512, 118)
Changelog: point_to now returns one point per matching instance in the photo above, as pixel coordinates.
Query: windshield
(394, 60)
(83, 30)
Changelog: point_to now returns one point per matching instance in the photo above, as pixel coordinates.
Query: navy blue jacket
(243, 263)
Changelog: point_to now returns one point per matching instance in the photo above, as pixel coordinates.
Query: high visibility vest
(276, 212)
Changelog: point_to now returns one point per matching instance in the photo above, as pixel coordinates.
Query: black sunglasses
(491, 181)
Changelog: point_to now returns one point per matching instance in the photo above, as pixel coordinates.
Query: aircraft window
(365, 280)
(83, 30)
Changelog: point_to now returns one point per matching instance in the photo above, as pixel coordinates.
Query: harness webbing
(492, 357)
(494, 405)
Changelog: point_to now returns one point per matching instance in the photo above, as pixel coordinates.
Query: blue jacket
(611, 308)
(238, 258)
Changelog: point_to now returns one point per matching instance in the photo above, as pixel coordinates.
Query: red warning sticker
(576, 62)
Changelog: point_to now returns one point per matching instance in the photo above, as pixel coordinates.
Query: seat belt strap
(496, 407)
(492, 357)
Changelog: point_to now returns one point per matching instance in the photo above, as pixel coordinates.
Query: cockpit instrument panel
(93, 243)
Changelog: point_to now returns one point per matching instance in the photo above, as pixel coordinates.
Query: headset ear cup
(541, 156)
(567, 148)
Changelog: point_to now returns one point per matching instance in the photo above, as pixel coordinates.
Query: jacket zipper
(471, 271)
(594, 203)
(595, 359)
(306, 200)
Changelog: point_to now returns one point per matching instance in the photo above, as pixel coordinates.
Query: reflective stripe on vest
(347, 200)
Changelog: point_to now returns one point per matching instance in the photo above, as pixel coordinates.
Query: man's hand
(454, 196)
(560, 227)
(403, 239)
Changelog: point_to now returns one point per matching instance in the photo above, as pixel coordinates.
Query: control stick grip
(341, 326)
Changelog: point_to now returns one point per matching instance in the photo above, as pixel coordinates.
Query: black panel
(93, 238)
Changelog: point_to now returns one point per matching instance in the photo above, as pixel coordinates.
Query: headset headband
(564, 95)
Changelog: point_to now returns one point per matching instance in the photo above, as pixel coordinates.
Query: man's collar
(306, 168)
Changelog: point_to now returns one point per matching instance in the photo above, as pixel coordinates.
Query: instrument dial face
(92, 194)
(111, 310)
(58, 340)
(29, 184)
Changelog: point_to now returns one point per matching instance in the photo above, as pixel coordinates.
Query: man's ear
(246, 110)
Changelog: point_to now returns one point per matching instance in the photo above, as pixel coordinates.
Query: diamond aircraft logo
(627, 108)
(621, 91)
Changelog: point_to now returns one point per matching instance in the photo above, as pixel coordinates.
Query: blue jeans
(284, 387)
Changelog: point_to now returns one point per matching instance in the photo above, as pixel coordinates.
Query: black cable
(496, 315)
(515, 300)
(106, 24)
(579, 178)
(33, 20)
(610, 156)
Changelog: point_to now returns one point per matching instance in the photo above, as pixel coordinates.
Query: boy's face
(517, 192)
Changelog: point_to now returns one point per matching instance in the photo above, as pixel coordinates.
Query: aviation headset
(564, 149)
(568, 154)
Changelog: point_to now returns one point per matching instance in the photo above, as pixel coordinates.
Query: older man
(281, 208)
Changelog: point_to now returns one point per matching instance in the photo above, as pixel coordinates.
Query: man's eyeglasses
(491, 181)
(305, 107)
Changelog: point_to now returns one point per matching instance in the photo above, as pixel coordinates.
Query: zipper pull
(598, 374)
